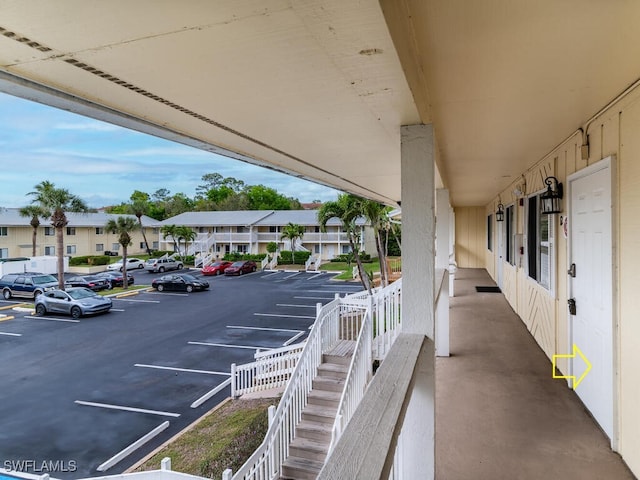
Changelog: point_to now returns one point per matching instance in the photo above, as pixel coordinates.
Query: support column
(442, 262)
(418, 309)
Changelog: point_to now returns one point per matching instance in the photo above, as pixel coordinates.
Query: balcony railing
(313, 237)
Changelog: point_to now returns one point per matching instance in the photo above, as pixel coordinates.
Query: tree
(266, 198)
(292, 232)
(123, 226)
(187, 234)
(376, 214)
(54, 202)
(170, 231)
(347, 210)
(34, 212)
(139, 206)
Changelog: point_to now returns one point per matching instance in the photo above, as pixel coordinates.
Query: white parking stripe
(292, 305)
(292, 339)
(315, 298)
(224, 345)
(211, 393)
(169, 293)
(11, 334)
(128, 409)
(136, 301)
(133, 447)
(52, 319)
(187, 370)
(284, 316)
(264, 328)
(117, 310)
(291, 276)
(271, 274)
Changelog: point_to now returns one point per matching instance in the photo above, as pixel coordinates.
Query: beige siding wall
(544, 312)
(471, 236)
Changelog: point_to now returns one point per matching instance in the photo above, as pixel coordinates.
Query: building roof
(249, 218)
(10, 217)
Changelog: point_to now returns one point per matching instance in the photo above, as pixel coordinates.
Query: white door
(591, 251)
(499, 252)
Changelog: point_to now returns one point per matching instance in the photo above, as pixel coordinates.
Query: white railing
(271, 369)
(202, 261)
(359, 374)
(312, 263)
(274, 262)
(386, 318)
(266, 461)
(202, 244)
(265, 262)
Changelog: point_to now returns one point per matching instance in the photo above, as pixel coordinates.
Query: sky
(103, 164)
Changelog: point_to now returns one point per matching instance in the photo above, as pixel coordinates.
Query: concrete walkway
(499, 413)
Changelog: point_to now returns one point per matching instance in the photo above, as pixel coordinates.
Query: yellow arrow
(576, 351)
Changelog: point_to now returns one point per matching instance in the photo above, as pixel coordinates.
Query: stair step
(309, 449)
(336, 359)
(333, 370)
(327, 398)
(301, 468)
(319, 413)
(314, 430)
(328, 383)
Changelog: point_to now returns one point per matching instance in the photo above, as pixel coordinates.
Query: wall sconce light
(550, 200)
(500, 213)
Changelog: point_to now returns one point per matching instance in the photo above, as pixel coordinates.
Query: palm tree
(347, 209)
(376, 214)
(34, 212)
(123, 226)
(170, 231)
(187, 234)
(292, 231)
(139, 207)
(54, 203)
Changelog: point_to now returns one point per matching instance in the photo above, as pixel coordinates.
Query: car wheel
(6, 294)
(76, 312)
(241, 272)
(140, 266)
(160, 288)
(161, 269)
(180, 266)
(40, 310)
(253, 269)
(121, 269)
(189, 288)
(218, 272)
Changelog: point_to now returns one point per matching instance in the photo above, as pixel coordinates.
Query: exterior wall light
(550, 200)
(500, 213)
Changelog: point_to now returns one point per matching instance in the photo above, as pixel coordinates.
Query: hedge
(300, 257)
(237, 256)
(90, 260)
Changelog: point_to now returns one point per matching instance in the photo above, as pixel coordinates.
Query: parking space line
(187, 370)
(291, 276)
(133, 447)
(282, 315)
(293, 305)
(117, 310)
(11, 334)
(292, 339)
(127, 409)
(225, 345)
(315, 298)
(52, 319)
(271, 274)
(315, 275)
(263, 328)
(211, 393)
(136, 301)
(169, 293)
(13, 305)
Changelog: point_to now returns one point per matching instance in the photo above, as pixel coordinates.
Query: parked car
(75, 301)
(163, 264)
(241, 267)
(179, 282)
(216, 268)
(92, 282)
(132, 264)
(116, 279)
(26, 285)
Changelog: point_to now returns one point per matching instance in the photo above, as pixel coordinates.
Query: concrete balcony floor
(499, 413)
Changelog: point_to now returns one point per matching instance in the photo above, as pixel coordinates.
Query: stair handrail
(264, 262)
(358, 376)
(266, 461)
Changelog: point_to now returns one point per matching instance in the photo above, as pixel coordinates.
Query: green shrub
(160, 253)
(237, 256)
(300, 257)
(190, 259)
(89, 260)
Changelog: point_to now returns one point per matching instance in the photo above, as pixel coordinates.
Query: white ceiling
(320, 88)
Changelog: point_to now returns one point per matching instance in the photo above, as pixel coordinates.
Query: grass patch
(225, 438)
(344, 267)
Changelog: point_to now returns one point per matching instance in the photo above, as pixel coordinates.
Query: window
(155, 230)
(490, 233)
(241, 229)
(317, 229)
(71, 230)
(49, 231)
(510, 234)
(4, 253)
(50, 251)
(3, 231)
(346, 249)
(316, 249)
(273, 229)
(71, 249)
(99, 231)
(115, 247)
(99, 247)
(242, 249)
(143, 246)
(156, 245)
(539, 244)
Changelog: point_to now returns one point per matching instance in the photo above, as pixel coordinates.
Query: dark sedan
(115, 279)
(241, 267)
(182, 282)
(93, 282)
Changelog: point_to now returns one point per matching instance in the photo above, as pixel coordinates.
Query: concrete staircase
(308, 450)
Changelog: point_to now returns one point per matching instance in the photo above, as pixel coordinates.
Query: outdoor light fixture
(500, 213)
(550, 200)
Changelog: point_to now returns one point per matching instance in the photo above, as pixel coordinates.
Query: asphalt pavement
(76, 393)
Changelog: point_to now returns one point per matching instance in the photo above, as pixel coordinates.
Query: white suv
(162, 264)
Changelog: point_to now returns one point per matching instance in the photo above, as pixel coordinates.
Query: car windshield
(44, 279)
(80, 293)
(237, 264)
(188, 278)
(217, 264)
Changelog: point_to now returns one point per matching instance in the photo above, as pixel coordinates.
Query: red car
(243, 266)
(216, 268)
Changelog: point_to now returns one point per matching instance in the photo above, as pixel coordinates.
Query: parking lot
(78, 392)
